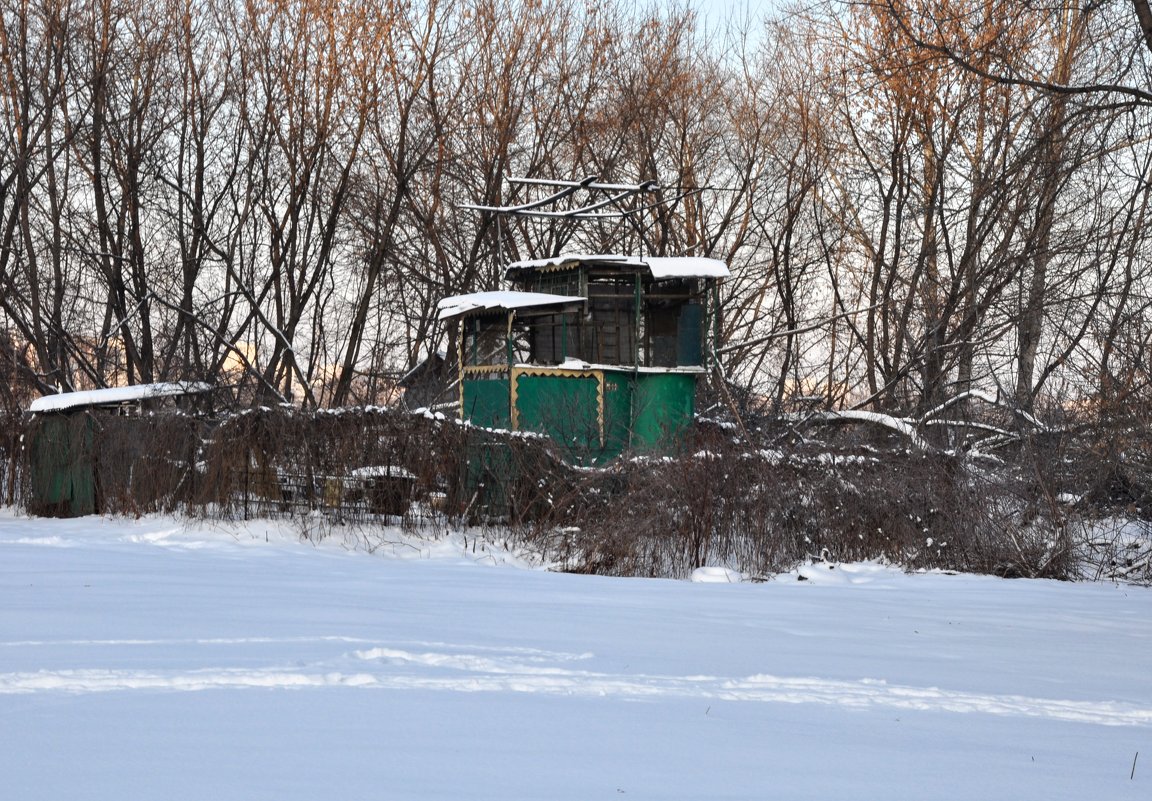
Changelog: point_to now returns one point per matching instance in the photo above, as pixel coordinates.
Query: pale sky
(715, 13)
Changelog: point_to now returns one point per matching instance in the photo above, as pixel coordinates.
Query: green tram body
(600, 353)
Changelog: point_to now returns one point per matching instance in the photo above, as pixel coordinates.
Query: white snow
(574, 258)
(113, 395)
(686, 267)
(154, 659)
(501, 299)
(660, 266)
(573, 363)
(716, 575)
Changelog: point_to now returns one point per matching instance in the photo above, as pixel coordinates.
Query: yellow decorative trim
(473, 369)
(561, 372)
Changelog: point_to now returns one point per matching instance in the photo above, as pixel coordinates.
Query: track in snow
(451, 668)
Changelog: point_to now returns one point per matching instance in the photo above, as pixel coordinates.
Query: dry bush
(347, 467)
(147, 463)
(367, 466)
(1094, 473)
(1114, 549)
(513, 480)
(354, 465)
(12, 430)
(762, 512)
(1111, 461)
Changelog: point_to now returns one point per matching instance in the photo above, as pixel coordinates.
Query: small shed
(62, 445)
(600, 352)
(428, 382)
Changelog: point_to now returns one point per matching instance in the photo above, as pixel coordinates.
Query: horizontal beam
(589, 183)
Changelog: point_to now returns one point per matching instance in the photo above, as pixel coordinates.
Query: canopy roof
(115, 395)
(660, 267)
(501, 301)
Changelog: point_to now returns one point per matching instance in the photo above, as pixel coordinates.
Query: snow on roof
(115, 395)
(573, 363)
(686, 267)
(659, 266)
(575, 258)
(500, 300)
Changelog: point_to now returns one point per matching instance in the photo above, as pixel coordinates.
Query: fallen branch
(994, 400)
(898, 424)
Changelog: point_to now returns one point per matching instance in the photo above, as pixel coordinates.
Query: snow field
(149, 659)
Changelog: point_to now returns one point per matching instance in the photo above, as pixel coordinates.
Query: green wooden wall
(594, 415)
(62, 470)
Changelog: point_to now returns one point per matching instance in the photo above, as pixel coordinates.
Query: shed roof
(660, 267)
(115, 395)
(501, 301)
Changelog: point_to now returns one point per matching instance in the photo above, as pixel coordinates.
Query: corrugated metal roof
(660, 267)
(501, 300)
(116, 395)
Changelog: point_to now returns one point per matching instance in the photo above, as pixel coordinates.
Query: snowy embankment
(148, 659)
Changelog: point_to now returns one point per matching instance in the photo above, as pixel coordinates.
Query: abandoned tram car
(600, 352)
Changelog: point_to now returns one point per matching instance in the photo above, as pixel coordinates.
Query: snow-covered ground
(153, 660)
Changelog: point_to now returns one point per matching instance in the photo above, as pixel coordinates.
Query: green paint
(617, 412)
(488, 471)
(689, 335)
(565, 407)
(662, 408)
(486, 402)
(63, 475)
(640, 411)
(597, 413)
(716, 333)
